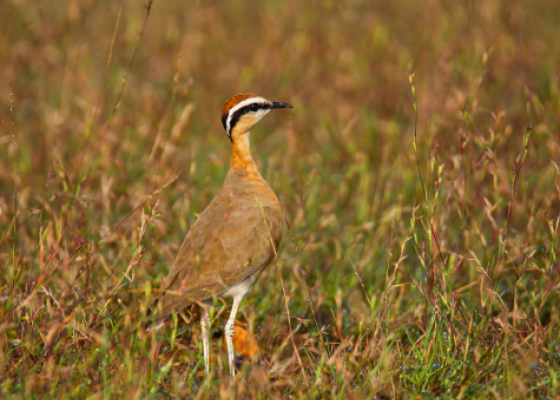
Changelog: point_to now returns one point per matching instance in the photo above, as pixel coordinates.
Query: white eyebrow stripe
(242, 104)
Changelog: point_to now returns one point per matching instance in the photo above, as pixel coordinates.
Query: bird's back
(234, 239)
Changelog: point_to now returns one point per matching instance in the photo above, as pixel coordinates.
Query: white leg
(204, 325)
(229, 333)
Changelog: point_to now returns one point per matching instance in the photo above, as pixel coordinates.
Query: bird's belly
(241, 288)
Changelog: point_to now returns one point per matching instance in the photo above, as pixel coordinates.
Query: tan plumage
(230, 242)
(236, 236)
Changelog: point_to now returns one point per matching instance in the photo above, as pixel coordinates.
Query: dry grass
(422, 259)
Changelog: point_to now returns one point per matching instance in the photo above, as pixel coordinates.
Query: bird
(234, 239)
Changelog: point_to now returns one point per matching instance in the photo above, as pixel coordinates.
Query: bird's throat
(241, 153)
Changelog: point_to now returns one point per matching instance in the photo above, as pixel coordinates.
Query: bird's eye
(254, 107)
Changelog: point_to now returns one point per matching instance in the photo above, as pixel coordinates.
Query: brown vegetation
(422, 254)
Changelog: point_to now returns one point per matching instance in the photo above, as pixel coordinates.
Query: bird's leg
(204, 325)
(229, 333)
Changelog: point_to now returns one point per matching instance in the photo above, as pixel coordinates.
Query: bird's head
(241, 112)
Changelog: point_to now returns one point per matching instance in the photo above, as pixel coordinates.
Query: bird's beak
(279, 104)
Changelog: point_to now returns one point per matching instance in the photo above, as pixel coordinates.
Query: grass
(421, 257)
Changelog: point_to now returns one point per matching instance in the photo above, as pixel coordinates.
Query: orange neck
(241, 154)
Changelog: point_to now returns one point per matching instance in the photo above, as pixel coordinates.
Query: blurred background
(115, 144)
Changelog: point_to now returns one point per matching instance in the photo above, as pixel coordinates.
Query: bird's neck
(241, 158)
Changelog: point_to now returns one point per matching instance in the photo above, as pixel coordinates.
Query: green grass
(422, 258)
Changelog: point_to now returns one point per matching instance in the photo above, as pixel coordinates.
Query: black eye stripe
(243, 110)
(253, 107)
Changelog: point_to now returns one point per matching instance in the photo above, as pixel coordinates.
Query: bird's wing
(229, 243)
